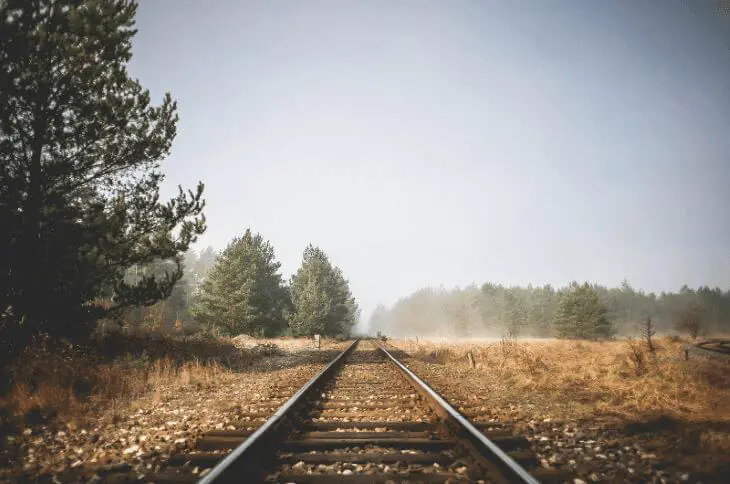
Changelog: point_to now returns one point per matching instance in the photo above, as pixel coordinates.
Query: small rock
(347, 472)
(131, 450)
(579, 481)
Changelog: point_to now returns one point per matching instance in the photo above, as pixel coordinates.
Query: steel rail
(722, 347)
(241, 463)
(510, 470)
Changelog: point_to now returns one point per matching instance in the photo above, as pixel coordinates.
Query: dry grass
(56, 381)
(619, 377)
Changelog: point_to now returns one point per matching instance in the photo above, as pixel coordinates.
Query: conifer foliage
(321, 298)
(80, 151)
(581, 314)
(244, 292)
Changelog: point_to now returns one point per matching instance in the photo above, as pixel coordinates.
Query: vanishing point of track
(365, 418)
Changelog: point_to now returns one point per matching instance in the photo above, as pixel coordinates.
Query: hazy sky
(450, 142)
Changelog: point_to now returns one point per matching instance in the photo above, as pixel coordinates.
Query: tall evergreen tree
(244, 292)
(581, 314)
(378, 320)
(321, 297)
(80, 153)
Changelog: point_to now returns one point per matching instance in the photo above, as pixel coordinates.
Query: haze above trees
(86, 235)
(578, 311)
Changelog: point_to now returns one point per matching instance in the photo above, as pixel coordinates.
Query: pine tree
(516, 312)
(379, 320)
(80, 153)
(692, 319)
(243, 292)
(581, 314)
(321, 297)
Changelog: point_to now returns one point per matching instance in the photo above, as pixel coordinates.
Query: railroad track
(715, 346)
(366, 418)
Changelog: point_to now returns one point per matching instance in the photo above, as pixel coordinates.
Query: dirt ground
(176, 407)
(607, 412)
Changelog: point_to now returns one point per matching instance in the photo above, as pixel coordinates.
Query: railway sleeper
(522, 457)
(331, 444)
(411, 477)
(367, 414)
(341, 404)
(442, 458)
(397, 434)
(405, 426)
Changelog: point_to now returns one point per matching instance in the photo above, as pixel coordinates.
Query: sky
(444, 143)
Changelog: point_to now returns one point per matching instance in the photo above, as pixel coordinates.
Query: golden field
(621, 378)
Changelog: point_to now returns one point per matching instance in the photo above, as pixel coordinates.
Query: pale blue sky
(450, 142)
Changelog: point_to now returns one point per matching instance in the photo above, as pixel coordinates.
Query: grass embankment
(621, 378)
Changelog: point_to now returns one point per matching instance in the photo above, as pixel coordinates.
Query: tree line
(244, 293)
(85, 234)
(585, 310)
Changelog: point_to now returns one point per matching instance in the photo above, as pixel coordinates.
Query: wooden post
(686, 353)
(317, 341)
(470, 355)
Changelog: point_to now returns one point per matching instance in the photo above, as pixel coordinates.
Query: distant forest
(494, 310)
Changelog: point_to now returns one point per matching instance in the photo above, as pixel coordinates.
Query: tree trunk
(32, 260)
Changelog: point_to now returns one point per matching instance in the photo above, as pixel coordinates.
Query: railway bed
(366, 418)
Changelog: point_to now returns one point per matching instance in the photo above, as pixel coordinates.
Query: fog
(429, 144)
(494, 311)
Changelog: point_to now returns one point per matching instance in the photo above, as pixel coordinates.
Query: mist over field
(493, 311)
